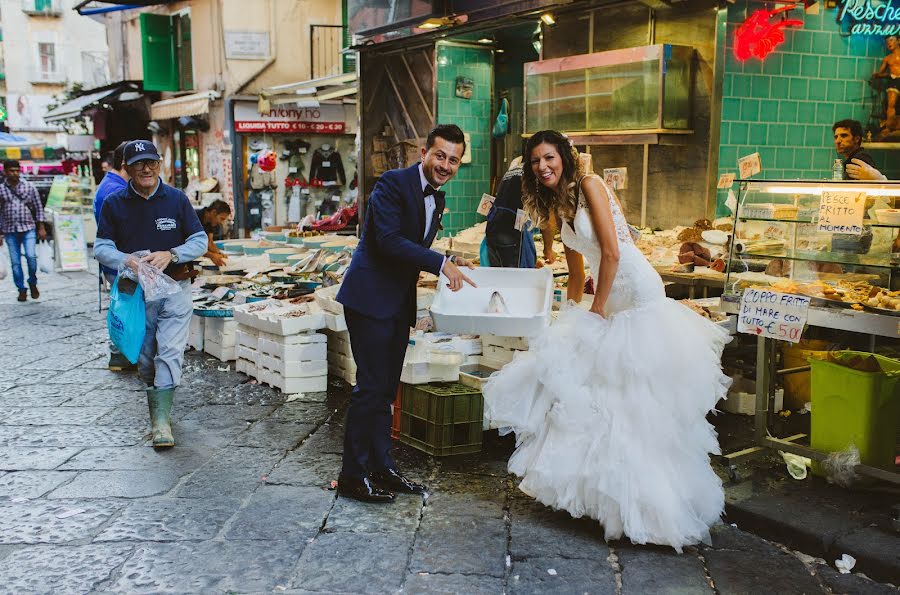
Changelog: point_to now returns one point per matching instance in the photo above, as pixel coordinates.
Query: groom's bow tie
(430, 190)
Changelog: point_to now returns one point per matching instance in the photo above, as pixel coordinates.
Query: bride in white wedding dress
(609, 406)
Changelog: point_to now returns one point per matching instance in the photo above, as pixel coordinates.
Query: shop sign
(841, 212)
(868, 18)
(759, 35)
(325, 119)
(773, 314)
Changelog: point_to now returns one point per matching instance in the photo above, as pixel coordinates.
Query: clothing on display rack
(261, 179)
(254, 209)
(327, 167)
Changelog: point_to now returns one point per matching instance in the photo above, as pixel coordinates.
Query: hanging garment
(327, 167)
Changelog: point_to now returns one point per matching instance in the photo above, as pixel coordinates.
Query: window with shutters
(166, 52)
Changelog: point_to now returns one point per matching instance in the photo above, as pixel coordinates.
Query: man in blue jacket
(379, 297)
(150, 215)
(116, 179)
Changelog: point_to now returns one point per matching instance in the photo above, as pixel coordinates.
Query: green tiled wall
(474, 117)
(784, 106)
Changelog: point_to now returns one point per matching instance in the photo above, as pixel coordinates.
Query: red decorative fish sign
(758, 36)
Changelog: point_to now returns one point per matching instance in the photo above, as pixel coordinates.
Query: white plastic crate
(527, 293)
(300, 352)
(196, 332)
(275, 318)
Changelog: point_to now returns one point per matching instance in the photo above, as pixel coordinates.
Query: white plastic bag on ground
(4, 259)
(155, 283)
(45, 257)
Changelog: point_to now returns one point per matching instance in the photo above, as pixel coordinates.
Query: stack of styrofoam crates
(499, 351)
(294, 363)
(219, 338)
(195, 332)
(436, 357)
(340, 356)
(287, 356)
(247, 352)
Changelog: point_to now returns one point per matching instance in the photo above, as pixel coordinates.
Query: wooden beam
(402, 104)
(415, 85)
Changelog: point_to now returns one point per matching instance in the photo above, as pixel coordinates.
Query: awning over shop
(310, 93)
(14, 140)
(187, 105)
(123, 91)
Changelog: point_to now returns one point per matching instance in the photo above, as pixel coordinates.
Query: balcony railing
(48, 8)
(38, 75)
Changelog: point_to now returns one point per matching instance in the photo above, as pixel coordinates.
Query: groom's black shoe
(390, 479)
(362, 490)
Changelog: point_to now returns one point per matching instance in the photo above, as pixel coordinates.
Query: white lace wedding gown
(609, 414)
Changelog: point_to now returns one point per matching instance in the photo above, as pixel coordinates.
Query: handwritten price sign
(842, 212)
(773, 314)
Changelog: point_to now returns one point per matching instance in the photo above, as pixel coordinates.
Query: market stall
(819, 259)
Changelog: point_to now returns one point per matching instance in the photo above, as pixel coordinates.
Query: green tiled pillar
(474, 117)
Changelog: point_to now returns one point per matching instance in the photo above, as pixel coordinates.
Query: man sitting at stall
(212, 217)
(848, 142)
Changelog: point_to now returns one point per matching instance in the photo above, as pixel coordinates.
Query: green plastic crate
(442, 418)
(855, 407)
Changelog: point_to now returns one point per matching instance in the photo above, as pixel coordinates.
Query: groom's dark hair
(449, 132)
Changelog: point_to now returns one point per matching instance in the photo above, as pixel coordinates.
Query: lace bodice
(636, 282)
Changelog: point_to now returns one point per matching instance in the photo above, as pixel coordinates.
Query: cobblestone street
(243, 503)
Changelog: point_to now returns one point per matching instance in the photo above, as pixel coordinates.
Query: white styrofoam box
(325, 297)
(499, 354)
(335, 322)
(472, 359)
(343, 362)
(219, 351)
(342, 367)
(292, 385)
(492, 363)
(298, 339)
(339, 342)
(520, 343)
(466, 345)
(246, 353)
(293, 369)
(425, 372)
(527, 293)
(247, 336)
(424, 297)
(296, 353)
(196, 331)
(246, 367)
(272, 316)
(223, 326)
(745, 403)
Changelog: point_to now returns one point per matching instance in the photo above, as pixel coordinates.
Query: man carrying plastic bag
(150, 215)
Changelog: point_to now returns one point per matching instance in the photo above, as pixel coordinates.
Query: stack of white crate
(437, 357)
(289, 354)
(499, 351)
(220, 338)
(195, 332)
(340, 357)
(247, 351)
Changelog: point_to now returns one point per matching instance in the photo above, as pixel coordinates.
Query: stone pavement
(243, 503)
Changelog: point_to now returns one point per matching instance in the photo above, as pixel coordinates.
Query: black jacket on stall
(327, 166)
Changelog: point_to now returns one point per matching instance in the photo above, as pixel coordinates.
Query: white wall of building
(79, 55)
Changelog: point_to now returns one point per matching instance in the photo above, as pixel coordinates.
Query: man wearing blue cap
(150, 215)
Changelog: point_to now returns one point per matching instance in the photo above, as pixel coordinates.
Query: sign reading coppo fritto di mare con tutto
(870, 17)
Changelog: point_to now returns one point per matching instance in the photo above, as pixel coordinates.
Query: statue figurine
(890, 70)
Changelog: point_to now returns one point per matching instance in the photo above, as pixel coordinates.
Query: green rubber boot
(160, 402)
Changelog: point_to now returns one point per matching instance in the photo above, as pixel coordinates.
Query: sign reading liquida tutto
(871, 18)
(324, 119)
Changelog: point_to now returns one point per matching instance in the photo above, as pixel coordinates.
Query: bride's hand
(598, 309)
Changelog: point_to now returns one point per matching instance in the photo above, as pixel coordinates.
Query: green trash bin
(850, 406)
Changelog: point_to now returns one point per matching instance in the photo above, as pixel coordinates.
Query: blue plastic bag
(127, 317)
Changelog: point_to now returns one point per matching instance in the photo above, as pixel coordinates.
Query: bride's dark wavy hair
(539, 201)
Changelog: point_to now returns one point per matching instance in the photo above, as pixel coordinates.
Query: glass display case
(835, 241)
(634, 89)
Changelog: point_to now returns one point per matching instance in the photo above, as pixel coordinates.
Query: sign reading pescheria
(772, 314)
(870, 17)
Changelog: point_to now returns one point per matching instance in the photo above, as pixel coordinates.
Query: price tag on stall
(773, 314)
(725, 181)
(616, 177)
(484, 207)
(521, 218)
(842, 212)
(749, 165)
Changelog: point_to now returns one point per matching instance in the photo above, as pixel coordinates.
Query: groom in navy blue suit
(379, 297)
